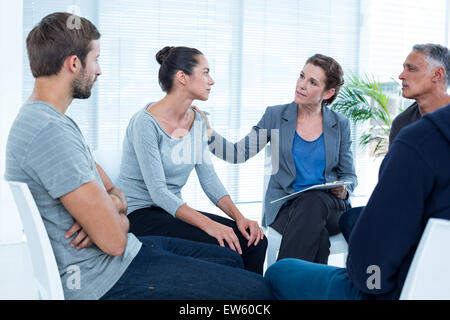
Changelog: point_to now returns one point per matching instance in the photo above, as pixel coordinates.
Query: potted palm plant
(363, 99)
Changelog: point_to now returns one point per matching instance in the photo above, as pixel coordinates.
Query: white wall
(11, 50)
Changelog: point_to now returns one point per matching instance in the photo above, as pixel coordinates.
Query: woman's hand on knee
(256, 233)
(224, 234)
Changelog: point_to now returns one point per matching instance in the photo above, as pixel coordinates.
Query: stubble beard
(82, 86)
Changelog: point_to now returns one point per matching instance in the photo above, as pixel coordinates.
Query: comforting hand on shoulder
(208, 125)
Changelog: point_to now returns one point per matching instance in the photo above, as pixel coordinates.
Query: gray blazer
(278, 126)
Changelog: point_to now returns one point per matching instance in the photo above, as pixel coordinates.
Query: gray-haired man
(425, 78)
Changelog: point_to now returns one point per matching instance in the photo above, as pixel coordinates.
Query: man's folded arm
(112, 190)
(92, 207)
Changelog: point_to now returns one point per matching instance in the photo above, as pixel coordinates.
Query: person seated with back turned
(83, 212)
(419, 83)
(163, 144)
(413, 187)
(310, 145)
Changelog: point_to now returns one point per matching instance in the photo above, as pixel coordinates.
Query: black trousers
(307, 223)
(155, 221)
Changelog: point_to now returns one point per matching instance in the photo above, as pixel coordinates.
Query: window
(389, 29)
(256, 49)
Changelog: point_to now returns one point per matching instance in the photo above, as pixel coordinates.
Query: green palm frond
(362, 99)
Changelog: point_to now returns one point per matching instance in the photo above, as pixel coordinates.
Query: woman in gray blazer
(310, 144)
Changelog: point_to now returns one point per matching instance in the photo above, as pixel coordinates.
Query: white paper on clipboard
(325, 186)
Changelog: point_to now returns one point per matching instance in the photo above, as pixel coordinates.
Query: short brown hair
(333, 72)
(54, 39)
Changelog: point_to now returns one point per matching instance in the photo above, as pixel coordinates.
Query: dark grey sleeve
(244, 149)
(346, 167)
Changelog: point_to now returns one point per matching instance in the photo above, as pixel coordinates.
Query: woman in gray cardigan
(310, 144)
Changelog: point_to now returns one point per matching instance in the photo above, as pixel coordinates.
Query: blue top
(309, 158)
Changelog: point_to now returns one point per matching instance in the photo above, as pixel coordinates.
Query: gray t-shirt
(46, 150)
(156, 166)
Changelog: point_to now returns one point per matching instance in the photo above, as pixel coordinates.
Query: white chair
(338, 245)
(45, 270)
(338, 248)
(429, 274)
(109, 160)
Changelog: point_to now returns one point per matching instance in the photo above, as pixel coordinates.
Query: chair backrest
(110, 161)
(42, 257)
(429, 274)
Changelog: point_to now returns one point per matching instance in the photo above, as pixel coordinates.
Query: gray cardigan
(155, 166)
(278, 126)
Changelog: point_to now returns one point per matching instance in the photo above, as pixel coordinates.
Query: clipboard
(325, 186)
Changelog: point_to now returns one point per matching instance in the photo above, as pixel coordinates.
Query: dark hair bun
(172, 60)
(162, 54)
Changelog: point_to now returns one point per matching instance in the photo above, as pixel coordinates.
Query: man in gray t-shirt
(47, 151)
(84, 214)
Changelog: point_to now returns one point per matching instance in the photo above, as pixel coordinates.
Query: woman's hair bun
(172, 60)
(162, 54)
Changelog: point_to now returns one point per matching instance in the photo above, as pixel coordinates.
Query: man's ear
(438, 74)
(73, 64)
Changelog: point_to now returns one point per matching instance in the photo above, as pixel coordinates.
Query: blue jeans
(169, 268)
(295, 279)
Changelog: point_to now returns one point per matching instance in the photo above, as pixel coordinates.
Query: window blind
(389, 29)
(278, 38)
(133, 32)
(392, 28)
(255, 49)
